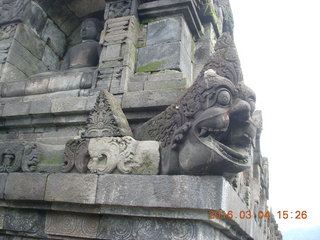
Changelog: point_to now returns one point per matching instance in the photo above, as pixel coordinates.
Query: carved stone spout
(209, 130)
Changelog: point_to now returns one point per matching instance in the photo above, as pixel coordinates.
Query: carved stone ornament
(17, 156)
(76, 156)
(123, 155)
(107, 118)
(210, 129)
(117, 8)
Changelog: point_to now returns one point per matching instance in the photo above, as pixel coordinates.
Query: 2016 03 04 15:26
(217, 214)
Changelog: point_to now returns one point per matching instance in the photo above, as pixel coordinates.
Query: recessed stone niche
(36, 37)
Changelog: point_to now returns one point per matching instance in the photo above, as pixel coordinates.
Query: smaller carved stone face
(89, 29)
(7, 160)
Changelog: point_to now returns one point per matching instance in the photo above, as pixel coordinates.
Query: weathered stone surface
(55, 37)
(70, 104)
(36, 86)
(28, 221)
(25, 186)
(65, 81)
(14, 12)
(161, 191)
(36, 17)
(3, 180)
(113, 51)
(167, 84)
(166, 30)
(76, 156)
(28, 39)
(21, 58)
(135, 86)
(1, 218)
(84, 7)
(16, 109)
(50, 59)
(50, 157)
(159, 57)
(18, 122)
(123, 155)
(74, 119)
(50, 96)
(154, 9)
(40, 107)
(76, 188)
(145, 99)
(72, 224)
(164, 76)
(10, 73)
(107, 118)
(116, 227)
(13, 89)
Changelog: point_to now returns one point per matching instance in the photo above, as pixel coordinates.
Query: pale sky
(279, 46)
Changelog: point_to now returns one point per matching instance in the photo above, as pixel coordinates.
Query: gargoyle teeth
(203, 132)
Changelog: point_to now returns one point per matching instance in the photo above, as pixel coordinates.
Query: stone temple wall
(58, 177)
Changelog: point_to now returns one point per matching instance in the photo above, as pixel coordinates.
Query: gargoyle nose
(241, 110)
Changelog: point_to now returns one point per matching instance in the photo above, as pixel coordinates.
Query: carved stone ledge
(88, 202)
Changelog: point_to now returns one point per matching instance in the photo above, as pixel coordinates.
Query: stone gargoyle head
(209, 130)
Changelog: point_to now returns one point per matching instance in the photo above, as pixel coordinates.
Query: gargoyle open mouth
(219, 140)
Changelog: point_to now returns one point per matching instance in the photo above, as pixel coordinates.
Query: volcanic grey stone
(40, 107)
(161, 191)
(50, 59)
(18, 122)
(167, 30)
(3, 180)
(74, 119)
(166, 84)
(50, 155)
(25, 186)
(164, 76)
(144, 99)
(51, 96)
(36, 17)
(87, 80)
(11, 73)
(13, 89)
(113, 51)
(159, 57)
(71, 104)
(76, 188)
(135, 86)
(154, 228)
(27, 221)
(72, 224)
(23, 59)
(65, 81)
(27, 38)
(16, 109)
(56, 38)
(36, 86)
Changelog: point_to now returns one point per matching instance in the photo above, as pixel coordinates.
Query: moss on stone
(150, 20)
(152, 66)
(209, 11)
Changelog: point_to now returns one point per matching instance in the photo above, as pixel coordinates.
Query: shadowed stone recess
(3, 180)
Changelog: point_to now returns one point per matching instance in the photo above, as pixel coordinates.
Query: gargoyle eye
(224, 98)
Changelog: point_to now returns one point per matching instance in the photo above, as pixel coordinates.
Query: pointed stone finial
(107, 118)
